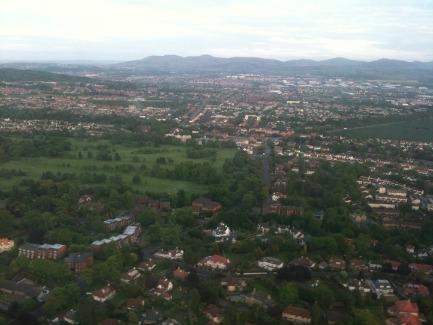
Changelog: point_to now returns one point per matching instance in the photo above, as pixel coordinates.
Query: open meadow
(98, 156)
(416, 130)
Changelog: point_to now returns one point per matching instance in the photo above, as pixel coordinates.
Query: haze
(283, 30)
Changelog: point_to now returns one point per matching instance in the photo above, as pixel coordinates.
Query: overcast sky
(280, 29)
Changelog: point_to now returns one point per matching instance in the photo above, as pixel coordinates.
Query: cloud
(313, 29)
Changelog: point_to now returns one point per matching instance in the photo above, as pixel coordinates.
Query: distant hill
(15, 75)
(379, 69)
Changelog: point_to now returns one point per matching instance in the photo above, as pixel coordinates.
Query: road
(266, 165)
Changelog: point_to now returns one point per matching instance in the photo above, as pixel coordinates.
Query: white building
(270, 263)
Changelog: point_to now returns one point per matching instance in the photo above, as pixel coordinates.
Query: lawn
(417, 130)
(131, 163)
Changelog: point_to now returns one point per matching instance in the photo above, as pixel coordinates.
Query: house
(270, 263)
(104, 294)
(426, 268)
(111, 321)
(170, 321)
(357, 265)
(214, 313)
(262, 299)
(134, 304)
(412, 289)
(119, 222)
(65, 317)
(205, 206)
(381, 287)
(130, 276)
(232, 283)
(296, 315)
(394, 264)
(128, 237)
(6, 244)
(223, 233)
(304, 261)
(353, 284)
(24, 288)
(147, 265)
(45, 251)
(276, 196)
(405, 312)
(180, 274)
(215, 262)
(337, 264)
(151, 316)
(263, 228)
(79, 261)
(164, 286)
(174, 254)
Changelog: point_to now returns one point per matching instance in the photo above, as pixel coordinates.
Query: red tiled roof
(406, 306)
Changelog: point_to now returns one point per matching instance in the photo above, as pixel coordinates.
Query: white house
(215, 262)
(270, 263)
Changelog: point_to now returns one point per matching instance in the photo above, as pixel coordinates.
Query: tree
(288, 294)
(170, 233)
(6, 222)
(136, 179)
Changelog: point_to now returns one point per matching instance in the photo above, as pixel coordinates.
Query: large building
(79, 262)
(128, 237)
(45, 251)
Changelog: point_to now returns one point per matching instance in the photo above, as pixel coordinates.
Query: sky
(123, 30)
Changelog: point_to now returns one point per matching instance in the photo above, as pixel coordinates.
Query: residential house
(6, 244)
(262, 299)
(214, 313)
(357, 265)
(65, 317)
(134, 304)
(174, 254)
(223, 233)
(147, 265)
(205, 206)
(296, 315)
(180, 274)
(353, 284)
(303, 261)
(270, 263)
(151, 316)
(79, 261)
(263, 228)
(164, 286)
(104, 294)
(119, 222)
(337, 264)
(23, 288)
(426, 268)
(381, 287)
(45, 251)
(394, 264)
(232, 283)
(405, 312)
(128, 237)
(215, 262)
(413, 290)
(170, 321)
(111, 321)
(130, 276)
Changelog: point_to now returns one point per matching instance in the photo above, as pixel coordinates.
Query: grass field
(134, 158)
(417, 130)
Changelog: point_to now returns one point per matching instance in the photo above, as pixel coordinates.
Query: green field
(417, 130)
(132, 160)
